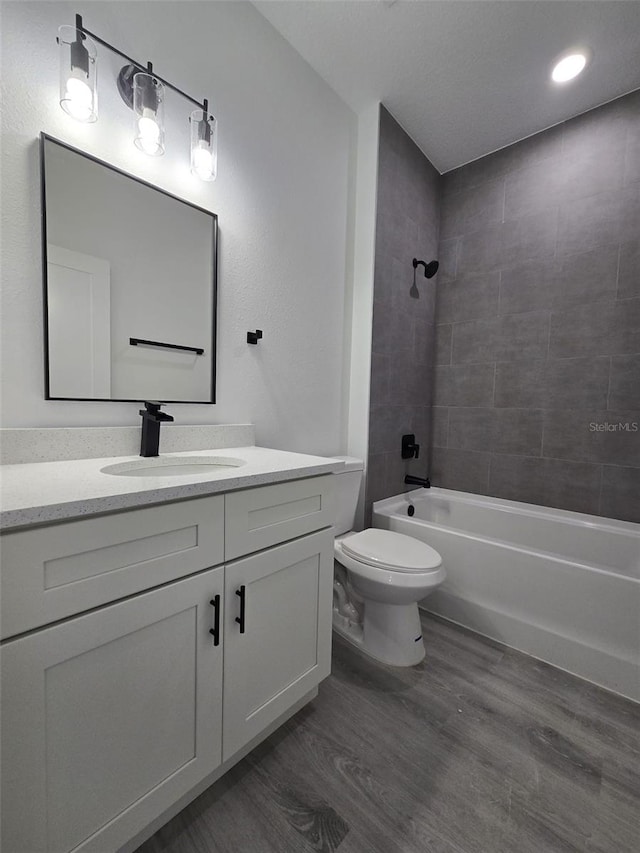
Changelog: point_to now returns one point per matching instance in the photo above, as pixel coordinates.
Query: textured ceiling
(464, 78)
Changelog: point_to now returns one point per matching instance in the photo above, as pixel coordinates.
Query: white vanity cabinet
(119, 710)
(277, 633)
(109, 718)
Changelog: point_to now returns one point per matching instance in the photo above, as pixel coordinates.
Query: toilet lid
(390, 550)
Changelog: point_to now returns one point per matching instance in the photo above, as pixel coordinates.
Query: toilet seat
(395, 552)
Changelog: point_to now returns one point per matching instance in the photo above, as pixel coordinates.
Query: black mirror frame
(44, 137)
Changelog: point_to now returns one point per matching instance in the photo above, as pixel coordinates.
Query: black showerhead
(430, 269)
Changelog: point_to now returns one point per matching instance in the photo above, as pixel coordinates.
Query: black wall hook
(254, 337)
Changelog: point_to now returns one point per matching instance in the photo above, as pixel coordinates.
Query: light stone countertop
(35, 493)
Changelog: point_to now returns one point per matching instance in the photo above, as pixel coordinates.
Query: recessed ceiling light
(569, 67)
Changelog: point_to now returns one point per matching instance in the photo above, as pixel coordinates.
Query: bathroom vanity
(154, 629)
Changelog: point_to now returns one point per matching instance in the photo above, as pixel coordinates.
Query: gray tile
(387, 425)
(620, 497)
(470, 209)
(439, 426)
(522, 336)
(471, 428)
(528, 287)
(475, 341)
(591, 170)
(406, 379)
(572, 485)
(518, 478)
(629, 269)
(448, 253)
(632, 162)
(630, 225)
(392, 330)
(481, 251)
(464, 385)
(586, 277)
(541, 146)
(576, 383)
(443, 343)
(395, 470)
(518, 431)
(464, 470)
(600, 220)
(376, 477)
(593, 436)
(607, 328)
(598, 131)
(421, 427)
(424, 342)
(521, 385)
(530, 237)
(380, 378)
(624, 384)
(562, 383)
(469, 297)
(534, 188)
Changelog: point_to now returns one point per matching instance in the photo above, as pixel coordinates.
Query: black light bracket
(254, 337)
(125, 77)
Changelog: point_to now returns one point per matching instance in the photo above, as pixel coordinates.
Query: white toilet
(379, 578)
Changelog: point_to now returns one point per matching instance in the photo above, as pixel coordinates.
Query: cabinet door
(109, 718)
(283, 649)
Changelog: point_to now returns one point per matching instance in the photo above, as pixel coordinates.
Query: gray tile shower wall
(537, 356)
(403, 344)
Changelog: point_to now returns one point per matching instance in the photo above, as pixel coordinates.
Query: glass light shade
(204, 145)
(148, 111)
(78, 74)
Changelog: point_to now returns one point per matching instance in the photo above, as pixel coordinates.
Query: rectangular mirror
(129, 285)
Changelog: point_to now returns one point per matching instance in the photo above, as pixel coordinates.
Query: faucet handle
(152, 409)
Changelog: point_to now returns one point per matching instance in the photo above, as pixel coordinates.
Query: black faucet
(410, 480)
(152, 417)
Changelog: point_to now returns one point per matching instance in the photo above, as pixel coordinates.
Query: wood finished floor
(479, 749)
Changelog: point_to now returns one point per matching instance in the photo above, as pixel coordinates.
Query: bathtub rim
(579, 519)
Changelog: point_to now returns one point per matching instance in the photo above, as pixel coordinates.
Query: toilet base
(391, 633)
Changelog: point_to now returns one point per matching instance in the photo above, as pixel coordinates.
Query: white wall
(360, 312)
(281, 196)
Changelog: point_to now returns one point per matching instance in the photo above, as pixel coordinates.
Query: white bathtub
(561, 586)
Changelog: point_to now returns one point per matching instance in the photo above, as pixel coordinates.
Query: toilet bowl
(388, 573)
(380, 577)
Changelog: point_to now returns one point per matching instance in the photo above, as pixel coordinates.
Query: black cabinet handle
(215, 631)
(240, 619)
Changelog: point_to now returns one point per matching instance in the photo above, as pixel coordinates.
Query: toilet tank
(348, 482)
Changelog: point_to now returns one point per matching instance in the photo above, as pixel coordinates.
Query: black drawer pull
(215, 631)
(240, 619)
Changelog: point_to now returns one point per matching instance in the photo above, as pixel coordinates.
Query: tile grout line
(618, 272)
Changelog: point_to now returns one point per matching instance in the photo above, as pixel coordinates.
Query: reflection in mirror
(130, 285)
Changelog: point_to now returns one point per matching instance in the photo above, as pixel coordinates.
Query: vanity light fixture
(148, 108)
(204, 144)
(141, 89)
(78, 96)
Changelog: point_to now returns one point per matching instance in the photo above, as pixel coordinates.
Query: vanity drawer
(54, 572)
(265, 516)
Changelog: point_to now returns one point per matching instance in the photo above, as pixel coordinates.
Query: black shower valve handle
(410, 450)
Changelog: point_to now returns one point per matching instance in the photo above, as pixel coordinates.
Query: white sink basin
(173, 466)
